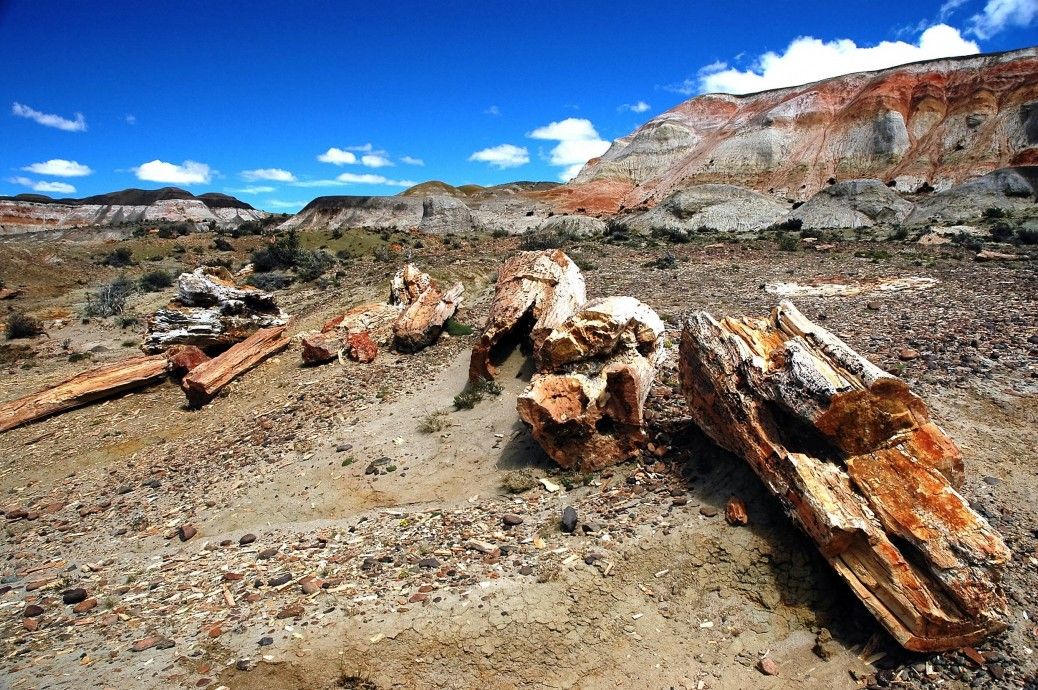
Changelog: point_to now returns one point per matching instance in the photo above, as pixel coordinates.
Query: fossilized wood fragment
(81, 389)
(207, 379)
(320, 348)
(851, 453)
(421, 323)
(586, 406)
(361, 348)
(210, 311)
(183, 359)
(536, 291)
(407, 285)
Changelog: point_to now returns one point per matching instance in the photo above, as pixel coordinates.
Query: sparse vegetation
(519, 481)
(155, 281)
(22, 325)
(270, 281)
(475, 392)
(110, 298)
(787, 225)
(994, 212)
(456, 328)
(672, 235)
(118, 258)
(665, 262)
(788, 243)
(435, 422)
(1027, 235)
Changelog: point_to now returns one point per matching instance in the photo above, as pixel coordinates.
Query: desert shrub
(584, 264)
(900, 233)
(282, 253)
(968, 241)
(475, 392)
(118, 258)
(437, 421)
(617, 231)
(672, 235)
(873, 255)
(788, 243)
(994, 212)
(1027, 235)
(21, 325)
(270, 281)
(154, 281)
(541, 240)
(110, 298)
(222, 245)
(664, 262)
(383, 253)
(312, 265)
(499, 233)
(456, 328)
(789, 224)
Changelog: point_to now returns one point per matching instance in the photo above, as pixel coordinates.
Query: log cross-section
(86, 387)
(852, 455)
(208, 378)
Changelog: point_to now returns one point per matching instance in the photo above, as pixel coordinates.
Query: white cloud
(503, 156)
(375, 160)
(277, 203)
(639, 107)
(411, 160)
(948, 9)
(371, 178)
(492, 110)
(578, 143)
(319, 183)
(58, 167)
(48, 120)
(131, 119)
(337, 156)
(809, 59)
(253, 189)
(188, 172)
(998, 15)
(270, 174)
(43, 185)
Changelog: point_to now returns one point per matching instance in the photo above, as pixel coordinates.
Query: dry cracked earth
(336, 540)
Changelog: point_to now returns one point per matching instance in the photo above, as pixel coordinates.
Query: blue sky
(280, 102)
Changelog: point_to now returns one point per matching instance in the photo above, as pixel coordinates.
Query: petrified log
(421, 323)
(852, 455)
(95, 384)
(210, 311)
(586, 407)
(183, 359)
(407, 285)
(536, 291)
(208, 378)
(360, 347)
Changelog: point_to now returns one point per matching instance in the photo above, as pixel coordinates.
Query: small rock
(267, 553)
(185, 532)
(907, 354)
(824, 647)
(266, 641)
(247, 539)
(30, 624)
(511, 519)
(311, 586)
(146, 643)
(708, 511)
(569, 519)
(73, 596)
(768, 667)
(32, 610)
(84, 606)
(735, 512)
(279, 580)
(291, 611)
(245, 664)
(429, 562)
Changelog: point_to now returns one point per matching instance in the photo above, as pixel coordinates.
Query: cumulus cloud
(270, 174)
(375, 160)
(578, 143)
(278, 203)
(43, 185)
(337, 156)
(411, 160)
(809, 59)
(348, 178)
(59, 167)
(492, 110)
(502, 156)
(252, 189)
(48, 120)
(999, 15)
(639, 107)
(188, 172)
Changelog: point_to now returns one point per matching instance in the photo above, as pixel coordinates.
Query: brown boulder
(361, 348)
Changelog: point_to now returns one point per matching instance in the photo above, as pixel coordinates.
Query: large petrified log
(421, 323)
(407, 285)
(586, 406)
(210, 312)
(208, 378)
(84, 388)
(536, 291)
(851, 453)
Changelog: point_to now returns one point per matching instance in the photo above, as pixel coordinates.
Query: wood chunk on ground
(586, 405)
(856, 461)
(84, 388)
(208, 378)
(421, 323)
(536, 291)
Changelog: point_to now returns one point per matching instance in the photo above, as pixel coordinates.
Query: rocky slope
(433, 207)
(921, 125)
(27, 213)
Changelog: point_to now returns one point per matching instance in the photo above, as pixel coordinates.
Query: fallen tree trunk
(407, 285)
(586, 406)
(851, 453)
(536, 291)
(421, 323)
(84, 388)
(208, 378)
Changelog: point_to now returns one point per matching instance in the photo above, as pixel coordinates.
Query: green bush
(672, 235)
(154, 281)
(110, 298)
(1027, 235)
(312, 265)
(21, 325)
(456, 328)
(270, 281)
(788, 243)
(118, 258)
(475, 392)
(995, 212)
